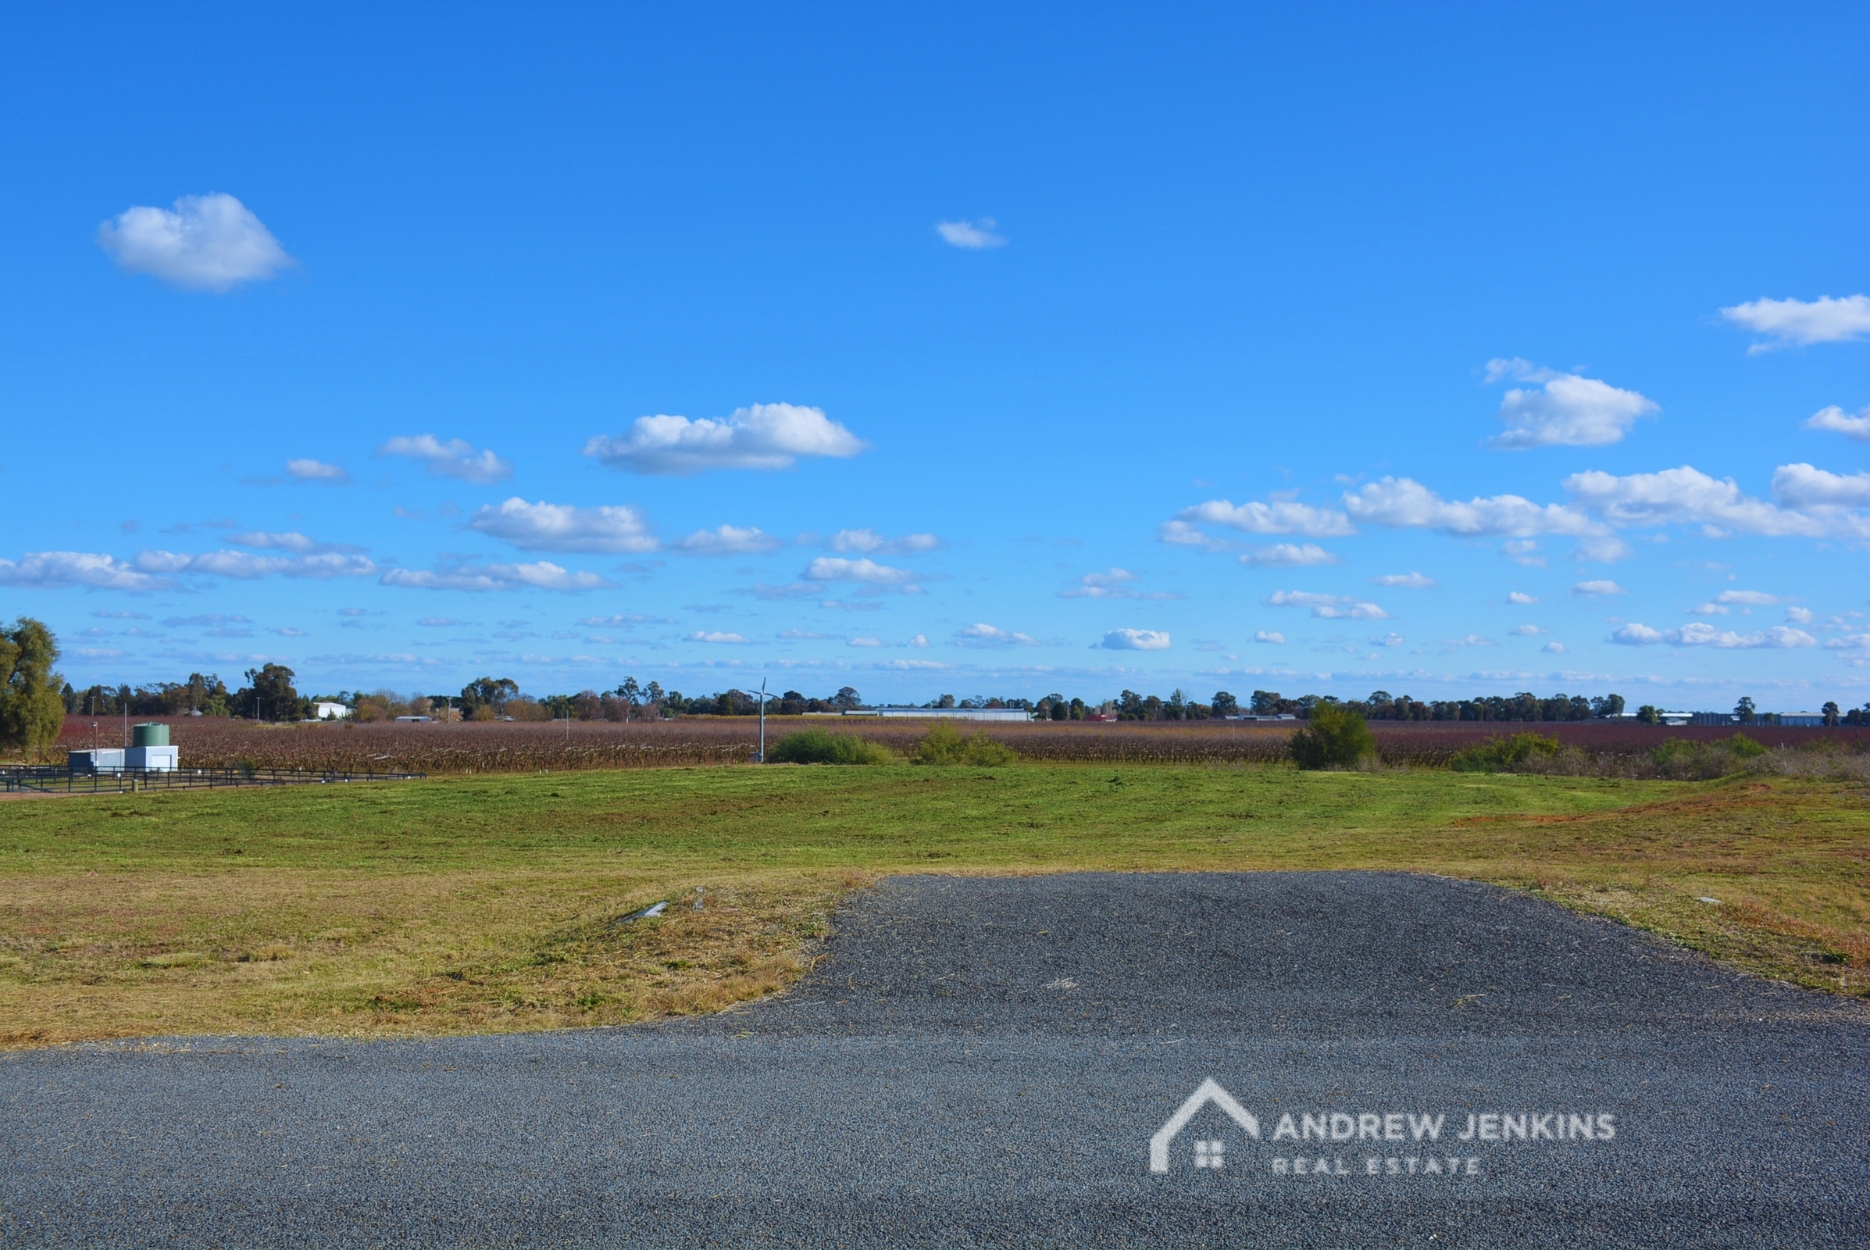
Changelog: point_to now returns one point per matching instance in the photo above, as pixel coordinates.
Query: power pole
(762, 720)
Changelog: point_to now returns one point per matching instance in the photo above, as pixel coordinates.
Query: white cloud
(1115, 584)
(1597, 586)
(1788, 322)
(1269, 635)
(863, 642)
(624, 620)
(244, 566)
(1566, 410)
(207, 242)
(869, 542)
(1802, 486)
(1329, 607)
(1135, 640)
(761, 436)
(316, 471)
(1111, 585)
(205, 620)
(454, 458)
(1837, 421)
(1405, 581)
(970, 234)
(1602, 548)
(1520, 596)
(1387, 640)
(438, 622)
(1279, 517)
(839, 569)
(288, 541)
(1799, 616)
(1287, 556)
(1470, 640)
(1525, 631)
(1709, 609)
(1524, 551)
(53, 570)
(1700, 635)
(1404, 504)
(1849, 642)
(801, 635)
(1687, 495)
(1556, 648)
(563, 527)
(717, 636)
(920, 640)
(728, 540)
(1752, 598)
(981, 634)
(541, 575)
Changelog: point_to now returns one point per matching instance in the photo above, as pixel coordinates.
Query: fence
(52, 779)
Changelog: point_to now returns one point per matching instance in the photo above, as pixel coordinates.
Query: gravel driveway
(1322, 1059)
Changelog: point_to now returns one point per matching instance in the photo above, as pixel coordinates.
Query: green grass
(485, 903)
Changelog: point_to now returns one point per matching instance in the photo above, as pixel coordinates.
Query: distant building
(323, 710)
(1700, 718)
(1262, 716)
(1805, 719)
(942, 713)
(415, 719)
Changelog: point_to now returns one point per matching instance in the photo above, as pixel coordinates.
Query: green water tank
(149, 735)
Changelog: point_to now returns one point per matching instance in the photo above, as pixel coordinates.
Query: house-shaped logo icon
(1208, 1092)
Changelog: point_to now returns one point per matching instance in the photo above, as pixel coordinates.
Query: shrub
(1742, 747)
(943, 744)
(815, 746)
(1686, 759)
(1333, 737)
(1506, 754)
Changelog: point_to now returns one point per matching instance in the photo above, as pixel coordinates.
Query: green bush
(1742, 747)
(1333, 737)
(1685, 759)
(815, 746)
(943, 744)
(1505, 755)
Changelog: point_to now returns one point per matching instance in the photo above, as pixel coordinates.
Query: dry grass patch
(369, 956)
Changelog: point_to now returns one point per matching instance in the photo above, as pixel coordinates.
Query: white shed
(330, 711)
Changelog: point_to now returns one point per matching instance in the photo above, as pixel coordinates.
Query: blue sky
(964, 349)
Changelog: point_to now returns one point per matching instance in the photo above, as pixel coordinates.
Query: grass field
(489, 903)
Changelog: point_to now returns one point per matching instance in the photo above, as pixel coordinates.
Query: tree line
(34, 698)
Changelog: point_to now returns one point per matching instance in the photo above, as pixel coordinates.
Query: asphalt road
(984, 1062)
